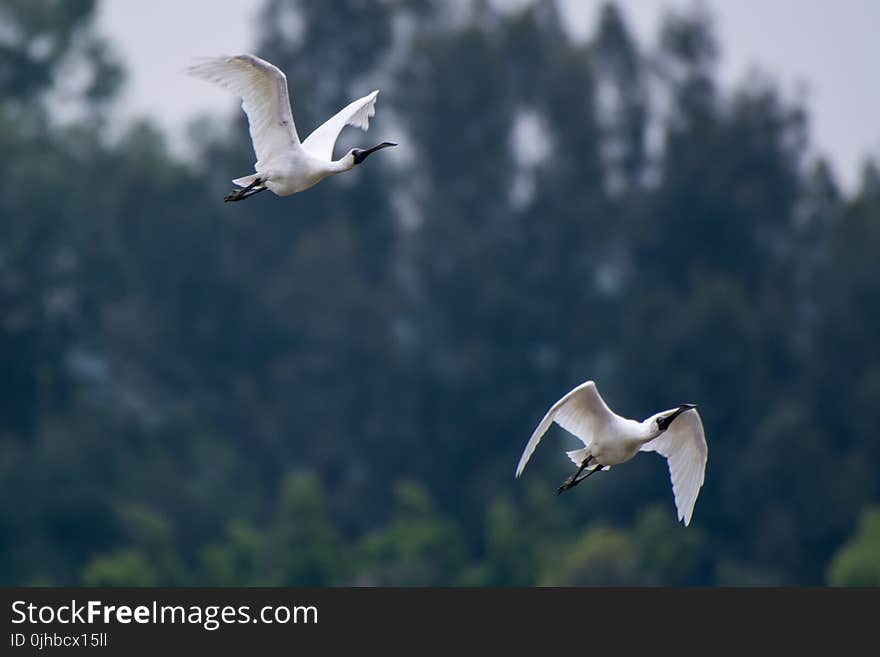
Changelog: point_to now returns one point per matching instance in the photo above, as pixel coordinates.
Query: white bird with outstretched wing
(610, 439)
(284, 165)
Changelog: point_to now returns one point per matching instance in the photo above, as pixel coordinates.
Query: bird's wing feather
(262, 88)
(578, 412)
(357, 113)
(684, 446)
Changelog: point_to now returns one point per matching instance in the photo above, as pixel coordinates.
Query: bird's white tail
(247, 180)
(577, 456)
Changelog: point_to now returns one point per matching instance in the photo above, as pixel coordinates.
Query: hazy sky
(830, 48)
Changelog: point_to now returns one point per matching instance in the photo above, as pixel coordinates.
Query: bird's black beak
(664, 423)
(360, 156)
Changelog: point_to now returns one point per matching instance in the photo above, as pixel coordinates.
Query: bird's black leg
(570, 482)
(253, 193)
(593, 471)
(240, 194)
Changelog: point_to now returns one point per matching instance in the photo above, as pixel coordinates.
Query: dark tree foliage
(334, 388)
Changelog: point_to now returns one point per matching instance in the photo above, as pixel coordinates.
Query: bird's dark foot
(568, 483)
(247, 192)
(573, 480)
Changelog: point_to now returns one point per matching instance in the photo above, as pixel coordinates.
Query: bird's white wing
(684, 446)
(357, 113)
(579, 412)
(262, 88)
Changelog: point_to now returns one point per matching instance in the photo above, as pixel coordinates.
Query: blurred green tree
(240, 560)
(152, 559)
(600, 556)
(305, 546)
(857, 563)
(418, 546)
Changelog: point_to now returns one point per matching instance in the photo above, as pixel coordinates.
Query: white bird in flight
(284, 164)
(610, 440)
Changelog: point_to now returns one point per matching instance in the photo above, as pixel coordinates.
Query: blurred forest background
(334, 388)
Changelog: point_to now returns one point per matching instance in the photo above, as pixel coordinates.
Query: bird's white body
(295, 171)
(284, 165)
(618, 441)
(610, 439)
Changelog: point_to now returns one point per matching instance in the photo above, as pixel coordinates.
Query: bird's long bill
(363, 154)
(681, 409)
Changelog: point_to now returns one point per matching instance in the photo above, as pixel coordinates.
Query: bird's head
(359, 155)
(662, 420)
